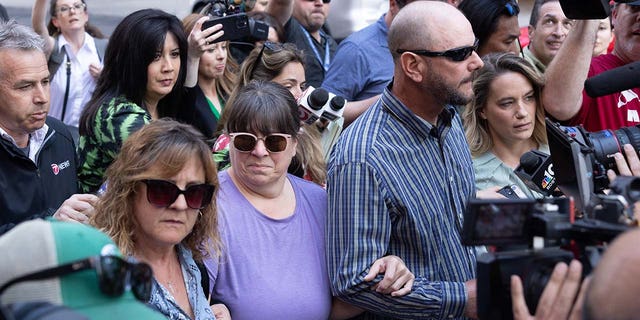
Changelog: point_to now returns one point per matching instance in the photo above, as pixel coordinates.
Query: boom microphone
(614, 80)
(536, 171)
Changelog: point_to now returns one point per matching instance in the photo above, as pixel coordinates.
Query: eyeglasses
(163, 193)
(456, 54)
(114, 275)
(246, 142)
(272, 46)
(67, 10)
(326, 1)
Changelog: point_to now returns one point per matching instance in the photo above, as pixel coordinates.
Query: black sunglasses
(246, 142)
(272, 46)
(456, 54)
(163, 193)
(114, 275)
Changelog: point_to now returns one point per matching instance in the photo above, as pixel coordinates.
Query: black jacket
(28, 191)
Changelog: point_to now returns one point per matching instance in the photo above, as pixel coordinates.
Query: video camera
(528, 222)
(235, 23)
(581, 160)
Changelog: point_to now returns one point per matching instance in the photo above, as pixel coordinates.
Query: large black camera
(532, 224)
(581, 160)
(236, 24)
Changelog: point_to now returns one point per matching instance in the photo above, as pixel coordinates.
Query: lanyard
(327, 58)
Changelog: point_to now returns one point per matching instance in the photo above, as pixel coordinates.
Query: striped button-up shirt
(398, 185)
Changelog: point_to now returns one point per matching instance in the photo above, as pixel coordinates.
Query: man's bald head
(427, 25)
(615, 287)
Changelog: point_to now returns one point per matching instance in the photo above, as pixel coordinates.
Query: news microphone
(614, 80)
(311, 104)
(536, 171)
(585, 9)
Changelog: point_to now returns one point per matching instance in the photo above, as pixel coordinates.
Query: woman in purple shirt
(272, 223)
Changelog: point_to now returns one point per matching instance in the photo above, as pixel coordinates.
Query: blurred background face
(70, 14)
(510, 109)
(214, 61)
(310, 13)
(625, 26)
(167, 226)
(549, 32)
(292, 77)
(162, 72)
(603, 37)
(504, 38)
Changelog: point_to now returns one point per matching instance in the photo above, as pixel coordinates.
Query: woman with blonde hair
(159, 207)
(216, 79)
(504, 120)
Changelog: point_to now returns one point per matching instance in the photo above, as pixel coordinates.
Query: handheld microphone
(536, 171)
(311, 103)
(317, 103)
(614, 80)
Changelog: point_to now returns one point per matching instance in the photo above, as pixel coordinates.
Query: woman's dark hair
(89, 28)
(484, 15)
(132, 47)
(264, 107)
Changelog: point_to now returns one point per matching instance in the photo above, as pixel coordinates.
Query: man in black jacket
(37, 154)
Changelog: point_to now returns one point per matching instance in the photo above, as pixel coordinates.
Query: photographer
(610, 285)
(563, 95)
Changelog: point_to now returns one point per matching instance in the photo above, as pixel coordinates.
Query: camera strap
(327, 56)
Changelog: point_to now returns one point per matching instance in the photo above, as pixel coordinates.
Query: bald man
(400, 176)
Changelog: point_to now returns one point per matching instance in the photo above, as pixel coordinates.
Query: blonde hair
(496, 64)
(158, 150)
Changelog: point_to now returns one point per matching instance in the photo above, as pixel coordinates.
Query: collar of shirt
(36, 140)
(89, 44)
(411, 120)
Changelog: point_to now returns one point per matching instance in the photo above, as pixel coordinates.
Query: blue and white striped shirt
(396, 188)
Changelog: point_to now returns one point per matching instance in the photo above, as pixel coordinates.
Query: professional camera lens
(607, 142)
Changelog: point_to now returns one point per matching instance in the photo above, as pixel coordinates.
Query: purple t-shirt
(272, 269)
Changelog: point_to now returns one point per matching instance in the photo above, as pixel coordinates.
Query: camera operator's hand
(628, 165)
(199, 41)
(558, 300)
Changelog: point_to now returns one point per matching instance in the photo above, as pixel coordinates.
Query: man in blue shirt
(400, 176)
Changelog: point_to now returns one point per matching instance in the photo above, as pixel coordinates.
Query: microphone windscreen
(529, 162)
(614, 80)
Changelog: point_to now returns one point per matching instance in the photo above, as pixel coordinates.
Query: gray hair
(16, 36)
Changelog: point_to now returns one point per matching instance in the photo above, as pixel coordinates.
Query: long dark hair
(131, 49)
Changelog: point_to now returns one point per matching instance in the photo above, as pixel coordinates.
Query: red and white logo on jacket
(59, 167)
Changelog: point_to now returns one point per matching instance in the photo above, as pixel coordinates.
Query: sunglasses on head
(163, 193)
(456, 54)
(246, 142)
(512, 9)
(114, 275)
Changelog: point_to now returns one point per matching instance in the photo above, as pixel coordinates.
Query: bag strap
(66, 90)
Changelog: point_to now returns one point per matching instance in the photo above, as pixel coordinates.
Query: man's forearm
(565, 76)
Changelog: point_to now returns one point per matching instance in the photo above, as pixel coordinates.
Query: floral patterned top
(163, 301)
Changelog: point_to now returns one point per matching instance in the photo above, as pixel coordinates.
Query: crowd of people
(189, 154)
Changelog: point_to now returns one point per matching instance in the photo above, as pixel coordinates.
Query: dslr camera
(319, 103)
(235, 23)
